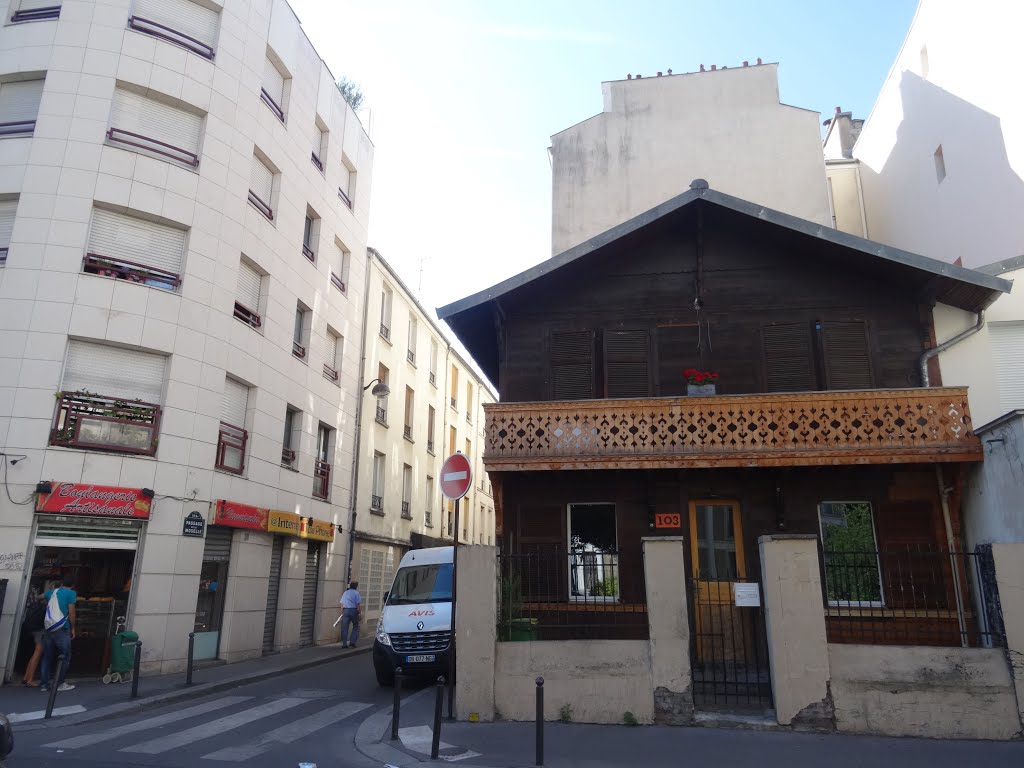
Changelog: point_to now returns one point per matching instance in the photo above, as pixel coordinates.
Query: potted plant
(700, 383)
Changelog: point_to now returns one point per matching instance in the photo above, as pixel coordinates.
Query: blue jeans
(58, 641)
(349, 619)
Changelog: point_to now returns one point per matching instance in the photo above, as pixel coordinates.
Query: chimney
(670, 70)
(629, 77)
(702, 68)
(746, 63)
(758, 59)
(659, 74)
(714, 67)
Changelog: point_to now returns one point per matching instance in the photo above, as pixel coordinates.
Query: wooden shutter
(234, 403)
(273, 82)
(261, 180)
(847, 360)
(626, 356)
(117, 236)
(7, 210)
(788, 358)
(114, 372)
(19, 101)
(572, 365)
(248, 291)
(155, 120)
(1008, 356)
(182, 16)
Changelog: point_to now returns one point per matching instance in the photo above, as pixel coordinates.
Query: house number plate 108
(672, 520)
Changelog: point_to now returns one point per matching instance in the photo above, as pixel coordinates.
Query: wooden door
(718, 563)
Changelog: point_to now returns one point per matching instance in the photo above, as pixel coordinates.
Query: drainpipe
(860, 198)
(930, 353)
(950, 546)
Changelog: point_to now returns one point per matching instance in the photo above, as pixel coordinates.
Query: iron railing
(410, 356)
(171, 35)
(377, 504)
(321, 479)
(247, 316)
(98, 422)
(259, 205)
(298, 350)
(36, 14)
(405, 511)
(385, 332)
(337, 282)
(133, 272)
(3, 256)
(551, 594)
(231, 443)
(430, 445)
(287, 457)
(308, 253)
(432, 378)
(455, 403)
(330, 373)
(910, 595)
(162, 148)
(270, 102)
(345, 198)
(382, 415)
(317, 162)
(407, 432)
(16, 127)
(428, 519)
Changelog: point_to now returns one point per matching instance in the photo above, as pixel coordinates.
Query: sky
(462, 97)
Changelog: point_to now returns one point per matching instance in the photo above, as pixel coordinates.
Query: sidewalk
(512, 745)
(92, 700)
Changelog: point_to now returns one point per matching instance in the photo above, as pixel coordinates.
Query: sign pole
(451, 655)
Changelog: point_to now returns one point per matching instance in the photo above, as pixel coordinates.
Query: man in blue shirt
(58, 634)
(351, 613)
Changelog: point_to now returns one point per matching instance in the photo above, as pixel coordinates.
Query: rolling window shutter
(572, 365)
(626, 363)
(332, 351)
(248, 291)
(114, 372)
(234, 403)
(261, 180)
(117, 236)
(20, 101)
(788, 358)
(273, 82)
(182, 16)
(7, 211)
(847, 358)
(345, 180)
(318, 142)
(155, 120)
(1008, 356)
(32, 5)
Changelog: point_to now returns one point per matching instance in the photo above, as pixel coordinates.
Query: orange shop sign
(318, 530)
(237, 515)
(93, 500)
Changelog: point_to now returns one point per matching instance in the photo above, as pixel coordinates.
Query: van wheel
(385, 676)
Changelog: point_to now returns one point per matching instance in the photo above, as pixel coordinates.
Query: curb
(192, 691)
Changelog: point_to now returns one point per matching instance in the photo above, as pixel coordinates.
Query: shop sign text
(319, 530)
(95, 501)
(237, 515)
(194, 525)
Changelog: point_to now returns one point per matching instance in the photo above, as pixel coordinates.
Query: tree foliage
(352, 93)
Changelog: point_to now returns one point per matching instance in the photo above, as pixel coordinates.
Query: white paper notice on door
(747, 595)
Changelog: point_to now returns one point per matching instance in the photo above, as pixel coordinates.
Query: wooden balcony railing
(798, 429)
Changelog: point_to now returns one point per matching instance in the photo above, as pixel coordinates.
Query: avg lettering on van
(421, 613)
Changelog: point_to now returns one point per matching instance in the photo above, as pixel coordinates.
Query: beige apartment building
(184, 196)
(434, 408)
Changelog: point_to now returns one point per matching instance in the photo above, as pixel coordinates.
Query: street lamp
(380, 390)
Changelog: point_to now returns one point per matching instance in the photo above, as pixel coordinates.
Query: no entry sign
(456, 476)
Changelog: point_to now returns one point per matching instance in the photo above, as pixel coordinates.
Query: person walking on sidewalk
(351, 615)
(35, 613)
(58, 632)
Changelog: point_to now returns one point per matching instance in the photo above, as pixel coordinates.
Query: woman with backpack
(35, 613)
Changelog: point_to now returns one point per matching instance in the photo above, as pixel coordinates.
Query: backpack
(55, 618)
(35, 614)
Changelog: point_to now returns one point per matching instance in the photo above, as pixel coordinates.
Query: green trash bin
(122, 657)
(522, 629)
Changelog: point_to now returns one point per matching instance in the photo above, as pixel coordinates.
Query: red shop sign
(94, 501)
(240, 515)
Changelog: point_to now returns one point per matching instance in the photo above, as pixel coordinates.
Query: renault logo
(419, 625)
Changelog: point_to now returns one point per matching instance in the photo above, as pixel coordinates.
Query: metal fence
(911, 596)
(576, 595)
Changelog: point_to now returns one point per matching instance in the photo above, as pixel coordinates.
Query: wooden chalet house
(827, 421)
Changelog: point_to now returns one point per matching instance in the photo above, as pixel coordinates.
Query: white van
(414, 631)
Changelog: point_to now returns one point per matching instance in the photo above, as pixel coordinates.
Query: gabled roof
(950, 284)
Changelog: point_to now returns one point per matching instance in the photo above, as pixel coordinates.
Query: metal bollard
(191, 651)
(53, 687)
(540, 721)
(135, 669)
(435, 744)
(395, 705)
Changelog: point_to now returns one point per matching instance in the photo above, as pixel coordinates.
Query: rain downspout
(944, 493)
(930, 353)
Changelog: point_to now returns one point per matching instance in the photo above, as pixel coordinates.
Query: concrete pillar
(1009, 562)
(668, 621)
(795, 619)
(476, 620)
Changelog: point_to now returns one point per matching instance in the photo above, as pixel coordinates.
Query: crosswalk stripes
(214, 727)
(153, 722)
(289, 732)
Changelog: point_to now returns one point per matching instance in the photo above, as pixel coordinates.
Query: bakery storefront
(92, 533)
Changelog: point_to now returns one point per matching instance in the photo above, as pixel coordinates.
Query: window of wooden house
(852, 568)
(846, 359)
(826, 354)
(572, 365)
(626, 368)
(593, 553)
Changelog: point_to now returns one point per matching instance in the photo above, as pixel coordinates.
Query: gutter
(930, 353)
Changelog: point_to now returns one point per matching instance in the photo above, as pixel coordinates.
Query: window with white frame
(110, 399)
(292, 437)
(850, 550)
(410, 409)
(1008, 357)
(428, 518)
(273, 88)
(340, 266)
(19, 107)
(134, 249)
(34, 10)
(433, 361)
(261, 187)
(151, 127)
(319, 146)
(332, 356)
(410, 353)
(322, 464)
(377, 497)
(8, 209)
(347, 182)
(431, 414)
(386, 298)
(232, 438)
(407, 491)
(181, 22)
(301, 331)
(310, 235)
(593, 553)
(248, 294)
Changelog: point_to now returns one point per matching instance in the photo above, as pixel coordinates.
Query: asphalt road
(307, 716)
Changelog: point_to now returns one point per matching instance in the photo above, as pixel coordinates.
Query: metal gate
(309, 594)
(729, 651)
(273, 588)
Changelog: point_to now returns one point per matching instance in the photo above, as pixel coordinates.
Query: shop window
(376, 572)
(213, 576)
(850, 550)
(593, 553)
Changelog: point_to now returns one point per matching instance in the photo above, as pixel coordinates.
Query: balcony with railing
(36, 14)
(97, 422)
(377, 504)
(171, 35)
(308, 253)
(428, 519)
(247, 316)
(231, 443)
(298, 350)
(288, 458)
(406, 514)
(321, 479)
(382, 415)
(337, 282)
(331, 374)
(432, 378)
(260, 205)
(133, 272)
(797, 429)
(385, 332)
(155, 146)
(407, 432)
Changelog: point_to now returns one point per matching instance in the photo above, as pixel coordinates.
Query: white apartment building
(435, 408)
(659, 132)
(184, 196)
(940, 165)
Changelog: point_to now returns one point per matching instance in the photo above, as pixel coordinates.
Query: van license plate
(419, 659)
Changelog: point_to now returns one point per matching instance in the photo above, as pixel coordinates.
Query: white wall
(657, 134)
